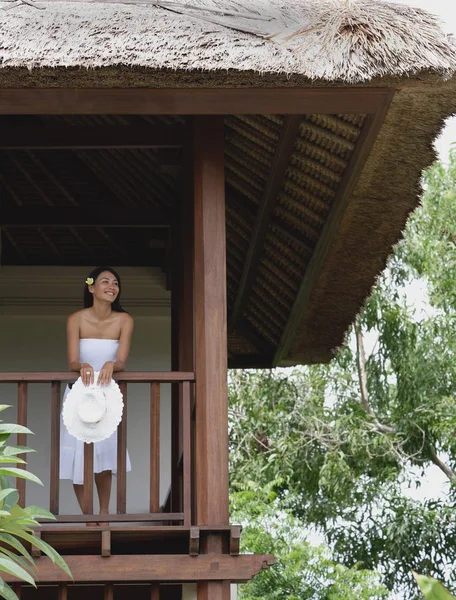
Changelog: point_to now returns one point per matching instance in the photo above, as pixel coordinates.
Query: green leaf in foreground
(432, 589)
(6, 592)
(8, 566)
(22, 474)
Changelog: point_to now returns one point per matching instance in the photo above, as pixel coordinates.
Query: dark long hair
(88, 297)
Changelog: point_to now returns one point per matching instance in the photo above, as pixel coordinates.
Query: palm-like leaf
(16, 523)
(432, 589)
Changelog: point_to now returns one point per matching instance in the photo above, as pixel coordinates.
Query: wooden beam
(363, 147)
(82, 216)
(274, 182)
(191, 101)
(153, 567)
(94, 137)
(210, 323)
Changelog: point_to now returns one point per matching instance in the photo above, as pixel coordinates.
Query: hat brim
(102, 430)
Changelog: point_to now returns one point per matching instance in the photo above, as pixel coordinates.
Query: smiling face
(105, 288)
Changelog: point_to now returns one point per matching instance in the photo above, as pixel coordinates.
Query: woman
(98, 339)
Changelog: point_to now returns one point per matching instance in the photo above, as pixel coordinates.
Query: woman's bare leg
(79, 491)
(103, 481)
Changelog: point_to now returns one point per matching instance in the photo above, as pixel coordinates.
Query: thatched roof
(349, 41)
(295, 312)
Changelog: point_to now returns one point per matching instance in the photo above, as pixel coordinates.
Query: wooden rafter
(255, 338)
(12, 241)
(279, 165)
(112, 242)
(56, 181)
(104, 215)
(30, 179)
(94, 137)
(50, 243)
(11, 191)
(363, 147)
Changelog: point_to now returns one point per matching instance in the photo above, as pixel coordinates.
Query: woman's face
(106, 287)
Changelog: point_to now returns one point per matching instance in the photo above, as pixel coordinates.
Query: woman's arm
(73, 342)
(126, 332)
(111, 367)
(84, 369)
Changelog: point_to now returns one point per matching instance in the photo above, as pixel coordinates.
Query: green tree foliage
(17, 524)
(301, 571)
(343, 440)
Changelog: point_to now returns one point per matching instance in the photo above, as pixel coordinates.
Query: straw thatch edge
(388, 189)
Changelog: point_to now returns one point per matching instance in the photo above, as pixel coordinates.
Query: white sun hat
(93, 413)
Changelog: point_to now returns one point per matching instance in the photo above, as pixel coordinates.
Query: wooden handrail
(183, 383)
(127, 376)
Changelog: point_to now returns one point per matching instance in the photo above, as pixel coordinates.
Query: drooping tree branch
(448, 471)
(380, 427)
(362, 375)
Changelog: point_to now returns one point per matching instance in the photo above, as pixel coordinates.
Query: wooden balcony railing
(182, 385)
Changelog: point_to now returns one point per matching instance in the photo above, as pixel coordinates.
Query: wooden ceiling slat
(265, 213)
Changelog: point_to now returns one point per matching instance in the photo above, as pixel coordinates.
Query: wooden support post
(213, 590)
(63, 591)
(106, 543)
(235, 539)
(182, 316)
(210, 323)
(122, 456)
(55, 449)
(35, 551)
(109, 591)
(155, 591)
(21, 437)
(194, 541)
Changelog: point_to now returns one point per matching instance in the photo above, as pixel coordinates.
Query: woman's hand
(105, 376)
(86, 374)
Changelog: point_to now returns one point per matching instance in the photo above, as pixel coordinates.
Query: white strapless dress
(95, 352)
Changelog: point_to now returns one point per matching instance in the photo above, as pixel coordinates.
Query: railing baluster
(122, 456)
(187, 455)
(155, 591)
(55, 449)
(109, 591)
(154, 496)
(176, 496)
(21, 437)
(193, 446)
(17, 589)
(63, 591)
(88, 479)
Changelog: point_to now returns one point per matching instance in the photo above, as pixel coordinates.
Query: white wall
(32, 338)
